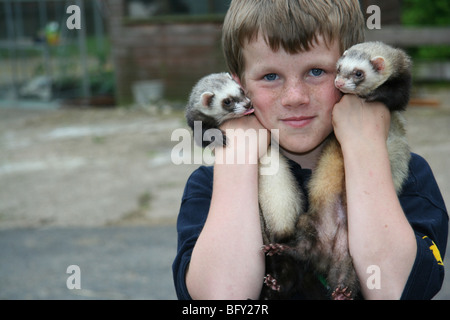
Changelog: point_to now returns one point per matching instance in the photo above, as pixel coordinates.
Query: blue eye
(271, 77)
(316, 72)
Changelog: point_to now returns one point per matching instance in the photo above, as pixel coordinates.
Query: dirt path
(88, 168)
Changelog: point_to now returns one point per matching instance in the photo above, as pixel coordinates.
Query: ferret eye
(227, 102)
(359, 74)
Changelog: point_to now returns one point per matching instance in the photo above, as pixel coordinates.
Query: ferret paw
(271, 282)
(342, 294)
(273, 249)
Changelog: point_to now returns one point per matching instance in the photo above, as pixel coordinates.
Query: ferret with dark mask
(376, 72)
(215, 99)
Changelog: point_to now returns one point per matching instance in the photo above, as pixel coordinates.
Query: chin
(296, 148)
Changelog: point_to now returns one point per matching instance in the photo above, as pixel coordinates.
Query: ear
(236, 78)
(206, 99)
(378, 63)
(345, 53)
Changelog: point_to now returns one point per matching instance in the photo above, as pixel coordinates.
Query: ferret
(214, 99)
(376, 72)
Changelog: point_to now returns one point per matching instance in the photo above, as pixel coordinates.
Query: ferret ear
(206, 99)
(237, 80)
(345, 53)
(378, 63)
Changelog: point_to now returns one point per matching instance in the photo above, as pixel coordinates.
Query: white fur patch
(240, 107)
(279, 197)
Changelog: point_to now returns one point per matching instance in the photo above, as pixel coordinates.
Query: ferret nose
(339, 83)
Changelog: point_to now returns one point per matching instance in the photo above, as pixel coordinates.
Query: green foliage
(430, 52)
(426, 12)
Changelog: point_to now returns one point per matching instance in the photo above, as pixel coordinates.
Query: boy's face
(294, 93)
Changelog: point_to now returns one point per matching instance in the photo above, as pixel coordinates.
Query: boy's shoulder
(202, 174)
(420, 173)
(422, 183)
(200, 181)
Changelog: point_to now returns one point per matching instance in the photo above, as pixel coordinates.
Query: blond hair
(293, 25)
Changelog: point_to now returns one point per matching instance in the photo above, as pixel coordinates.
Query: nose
(295, 94)
(339, 83)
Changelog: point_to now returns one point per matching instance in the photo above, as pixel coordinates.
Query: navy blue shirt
(420, 199)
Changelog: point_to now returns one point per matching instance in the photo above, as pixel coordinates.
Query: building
(162, 47)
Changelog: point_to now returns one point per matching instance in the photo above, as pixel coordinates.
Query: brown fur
(327, 245)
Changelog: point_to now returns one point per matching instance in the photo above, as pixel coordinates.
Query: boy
(284, 53)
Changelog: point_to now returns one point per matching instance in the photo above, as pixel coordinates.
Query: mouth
(249, 111)
(249, 108)
(346, 90)
(297, 122)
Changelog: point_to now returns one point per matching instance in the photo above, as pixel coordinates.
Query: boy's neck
(306, 160)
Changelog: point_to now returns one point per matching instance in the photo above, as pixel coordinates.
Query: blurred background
(89, 98)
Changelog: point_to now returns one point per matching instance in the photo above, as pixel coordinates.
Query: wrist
(362, 146)
(240, 150)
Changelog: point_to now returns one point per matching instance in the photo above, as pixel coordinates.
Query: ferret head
(359, 73)
(223, 98)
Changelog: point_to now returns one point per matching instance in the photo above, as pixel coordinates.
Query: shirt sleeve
(191, 219)
(425, 210)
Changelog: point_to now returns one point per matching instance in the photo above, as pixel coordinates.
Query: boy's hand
(357, 122)
(244, 136)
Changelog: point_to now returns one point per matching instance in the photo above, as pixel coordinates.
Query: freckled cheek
(328, 96)
(263, 102)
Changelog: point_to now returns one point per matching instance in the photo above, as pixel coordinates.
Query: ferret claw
(273, 249)
(271, 282)
(342, 294)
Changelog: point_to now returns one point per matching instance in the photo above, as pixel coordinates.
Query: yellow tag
(436, 253)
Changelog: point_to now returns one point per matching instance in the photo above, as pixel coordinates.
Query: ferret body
(215, 99)
(376, 72)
